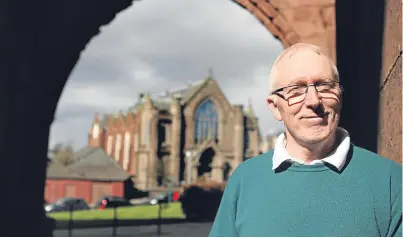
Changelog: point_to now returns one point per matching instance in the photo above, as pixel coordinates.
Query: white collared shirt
(337, 158)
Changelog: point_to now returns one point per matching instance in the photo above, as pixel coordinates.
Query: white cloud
(159, 45)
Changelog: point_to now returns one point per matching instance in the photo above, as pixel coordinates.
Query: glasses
(297, 93)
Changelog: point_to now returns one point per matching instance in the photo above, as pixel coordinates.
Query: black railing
(115, 223)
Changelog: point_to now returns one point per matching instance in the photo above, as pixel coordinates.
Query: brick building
(92, 174)
(190, 132)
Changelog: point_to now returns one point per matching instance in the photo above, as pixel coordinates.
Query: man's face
(315, 117)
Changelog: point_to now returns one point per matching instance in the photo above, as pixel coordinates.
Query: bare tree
(63, 154)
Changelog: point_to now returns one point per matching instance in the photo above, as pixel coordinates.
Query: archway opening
(206, 159)
(142, 69)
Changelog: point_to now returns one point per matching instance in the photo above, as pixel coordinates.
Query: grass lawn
(172, 210)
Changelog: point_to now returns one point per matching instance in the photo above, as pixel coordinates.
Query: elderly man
(315, 182)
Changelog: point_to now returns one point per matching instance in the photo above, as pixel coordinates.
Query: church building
(179, 135)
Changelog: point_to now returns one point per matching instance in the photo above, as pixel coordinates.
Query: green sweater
(364, 199)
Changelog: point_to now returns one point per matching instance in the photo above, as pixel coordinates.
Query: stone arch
(280, 17)
(205, 161)
(293, 21)
(32, 85)
(289, 21)
(215, 100)
(27, 81)
(216, 164)
(267, 12)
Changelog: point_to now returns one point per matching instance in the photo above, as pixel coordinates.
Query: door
(99, 190)
(70, 191)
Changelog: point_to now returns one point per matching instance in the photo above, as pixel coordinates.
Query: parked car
(112, 201)
(160, 198)
(67, 204)
(54, 208)
(165, 198)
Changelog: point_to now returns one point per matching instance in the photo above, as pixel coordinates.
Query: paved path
(183, 229)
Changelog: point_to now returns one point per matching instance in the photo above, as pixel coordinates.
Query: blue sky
(159, 45)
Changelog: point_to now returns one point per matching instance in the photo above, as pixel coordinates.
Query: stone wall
(390, 114)
(368, 39)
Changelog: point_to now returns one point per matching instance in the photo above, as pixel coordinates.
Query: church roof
(89, 164)
(162, 100)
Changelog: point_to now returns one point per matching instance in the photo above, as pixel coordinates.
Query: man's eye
(296, 90)
(324, 86)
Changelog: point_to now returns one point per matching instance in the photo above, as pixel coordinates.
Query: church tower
(95, 134)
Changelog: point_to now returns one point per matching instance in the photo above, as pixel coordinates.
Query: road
(182, 229)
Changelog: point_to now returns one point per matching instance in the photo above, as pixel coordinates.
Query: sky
(155, 46)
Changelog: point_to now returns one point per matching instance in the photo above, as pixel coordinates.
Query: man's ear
(272, 102)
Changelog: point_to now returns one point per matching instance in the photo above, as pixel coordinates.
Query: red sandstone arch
(293, 21)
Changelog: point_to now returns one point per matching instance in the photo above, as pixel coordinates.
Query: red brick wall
(118, 189)
(56, 189)
(120, 125)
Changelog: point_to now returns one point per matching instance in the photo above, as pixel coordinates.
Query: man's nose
(312, 98)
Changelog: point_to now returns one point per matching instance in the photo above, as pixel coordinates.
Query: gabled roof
(89, 164)
(57, 170)
(162, 100)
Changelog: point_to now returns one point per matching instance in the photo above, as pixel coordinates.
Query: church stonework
(179, 136)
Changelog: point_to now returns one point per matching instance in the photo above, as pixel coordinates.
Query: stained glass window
(206, 124)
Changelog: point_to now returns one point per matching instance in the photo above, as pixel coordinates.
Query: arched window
(206, 123)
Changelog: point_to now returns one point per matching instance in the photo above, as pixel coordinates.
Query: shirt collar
(337, 158)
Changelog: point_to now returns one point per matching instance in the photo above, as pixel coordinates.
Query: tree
(63, 154)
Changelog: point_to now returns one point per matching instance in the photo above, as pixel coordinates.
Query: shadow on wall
(359, 37)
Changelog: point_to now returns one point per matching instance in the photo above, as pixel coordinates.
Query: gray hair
(274, 72)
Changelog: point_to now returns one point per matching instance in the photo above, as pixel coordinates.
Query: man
(314, 182)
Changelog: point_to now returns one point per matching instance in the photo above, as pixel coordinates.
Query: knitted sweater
(363, 199)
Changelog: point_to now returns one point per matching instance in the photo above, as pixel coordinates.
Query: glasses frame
(279, 90)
